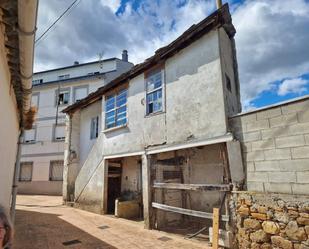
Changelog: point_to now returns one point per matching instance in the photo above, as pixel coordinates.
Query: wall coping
(282, 103)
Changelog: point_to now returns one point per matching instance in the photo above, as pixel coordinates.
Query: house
(53, 90)
(18, 25)
(164, 151)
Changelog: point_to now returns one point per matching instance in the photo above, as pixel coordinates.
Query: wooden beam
(215, 228)
(195, 187)
(189, 212)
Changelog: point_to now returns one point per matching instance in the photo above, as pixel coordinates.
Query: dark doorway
(114, 184)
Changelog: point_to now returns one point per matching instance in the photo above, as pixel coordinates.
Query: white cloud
(296, 85)
(270, 40)
(112, 4)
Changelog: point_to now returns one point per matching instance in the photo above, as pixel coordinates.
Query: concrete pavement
(43, 222)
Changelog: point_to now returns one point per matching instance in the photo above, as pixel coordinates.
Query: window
(80, 93)
(56, 171)
(29, 136)
(63, 97)
(25, 173)
(59, 132)
(154, 92)
(116, 109)
(37, 81)
(94, 128)
(35, 99)
(228, 83)
(63, 77)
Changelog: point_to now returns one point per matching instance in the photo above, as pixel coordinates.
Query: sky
(272, 38)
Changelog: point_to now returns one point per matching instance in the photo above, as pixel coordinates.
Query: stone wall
(272, 221)
(275, 147)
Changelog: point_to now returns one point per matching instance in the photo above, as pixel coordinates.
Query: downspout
(16, 174)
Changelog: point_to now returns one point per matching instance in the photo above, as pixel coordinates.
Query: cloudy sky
(272, 38)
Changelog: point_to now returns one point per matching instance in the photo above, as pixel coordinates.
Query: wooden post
(215, 229)
(146, 191)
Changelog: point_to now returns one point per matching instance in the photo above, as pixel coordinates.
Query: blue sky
(271, 37)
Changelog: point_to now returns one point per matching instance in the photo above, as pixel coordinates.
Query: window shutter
(80, 93)
(25, 171)
(59, 132)
(29, 135)
(56, 171)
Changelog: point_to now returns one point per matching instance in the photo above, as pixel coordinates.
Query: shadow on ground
(36, 230)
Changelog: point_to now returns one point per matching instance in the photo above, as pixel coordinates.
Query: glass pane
(121, 101)
(110, 114)
(121, 122)
(149, 98)
(110, 103)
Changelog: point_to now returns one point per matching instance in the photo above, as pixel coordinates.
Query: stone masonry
(272, 221)
(275, 147)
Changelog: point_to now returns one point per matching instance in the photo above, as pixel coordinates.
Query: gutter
(27, 17)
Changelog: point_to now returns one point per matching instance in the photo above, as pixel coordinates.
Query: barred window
(25, 173)
(56, 171)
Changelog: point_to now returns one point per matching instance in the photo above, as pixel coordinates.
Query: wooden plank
(215, 228)
(195, 187)
(189, 212)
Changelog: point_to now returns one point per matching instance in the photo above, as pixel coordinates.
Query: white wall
(9, 128)
(77, 71)
(194, 102)
(85, 122)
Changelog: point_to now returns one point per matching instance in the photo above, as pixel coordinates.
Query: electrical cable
(54, 23)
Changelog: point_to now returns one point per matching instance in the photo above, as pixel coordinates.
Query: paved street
(43, 222)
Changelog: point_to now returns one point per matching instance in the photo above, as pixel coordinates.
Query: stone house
(53, 90)
(163, 147)
(17, 24)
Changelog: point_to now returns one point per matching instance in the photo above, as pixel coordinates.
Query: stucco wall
(275, 147)
(194, 109)
(232, 96)
(194, 104)
(86, 143)
(131, 174)
(9, 129)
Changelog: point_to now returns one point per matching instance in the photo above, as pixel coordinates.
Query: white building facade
(164, 149)
(53, 90)
(16, 63)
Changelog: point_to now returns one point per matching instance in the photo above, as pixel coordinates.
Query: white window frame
(37, 81)
(63, 76)
(62, 91)
(115, 109)
(94, 127)
(80, 87)
(54, 132)
(50, 170)
(20, 171)
(38, 96)
(148, 74)
(34, 139)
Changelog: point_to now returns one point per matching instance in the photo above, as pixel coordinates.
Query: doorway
(114, 184)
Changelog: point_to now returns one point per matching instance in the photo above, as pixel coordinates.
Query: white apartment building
(53, 90)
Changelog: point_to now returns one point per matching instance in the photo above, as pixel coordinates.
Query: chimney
(76, 63)
(219, 4)
(125, 55)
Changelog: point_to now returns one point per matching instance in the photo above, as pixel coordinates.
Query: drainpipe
(16, 174)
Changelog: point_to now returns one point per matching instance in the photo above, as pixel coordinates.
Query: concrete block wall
(275, 147)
